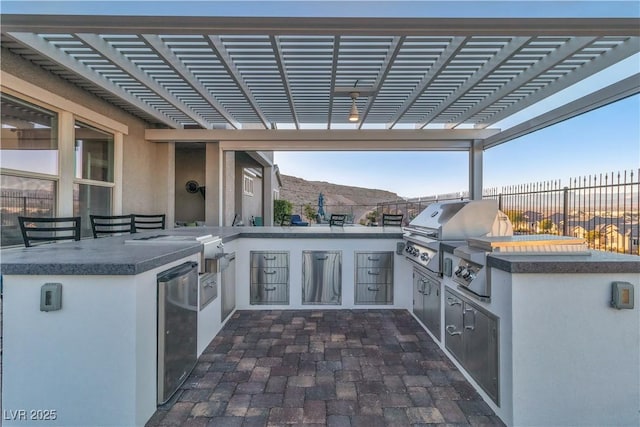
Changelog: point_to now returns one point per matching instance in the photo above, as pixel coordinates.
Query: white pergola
(270, 84)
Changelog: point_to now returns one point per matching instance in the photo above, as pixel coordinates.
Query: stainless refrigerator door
(322, 277)
(177, 327)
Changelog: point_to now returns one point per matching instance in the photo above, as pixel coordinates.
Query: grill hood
(460, 219)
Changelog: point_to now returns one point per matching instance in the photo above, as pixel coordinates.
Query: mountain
(338, 198)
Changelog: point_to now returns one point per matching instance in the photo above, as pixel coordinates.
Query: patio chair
(297, 221)
(143, 222)
(106, 225)
(42, 230)
(392, 219)
(285, 220)
(337, 219)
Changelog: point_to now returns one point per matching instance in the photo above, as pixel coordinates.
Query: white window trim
(68, 113)
(247, 180)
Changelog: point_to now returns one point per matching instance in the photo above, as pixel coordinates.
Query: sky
(601, 141)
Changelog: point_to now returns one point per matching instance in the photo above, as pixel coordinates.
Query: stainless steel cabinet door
(432, 306)
(228, 287)
(481, 348)
(322, 277)
(418, 295)
(453, 339)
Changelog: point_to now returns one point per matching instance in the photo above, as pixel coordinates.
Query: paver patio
(324, 367)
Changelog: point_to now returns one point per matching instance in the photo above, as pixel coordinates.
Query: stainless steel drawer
(262, 293)
(208, 288)
(374, 259)
(367, 293)
(269, 259)
(374, 275)
(268, 275)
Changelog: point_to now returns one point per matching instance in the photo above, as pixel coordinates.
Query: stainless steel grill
(453, 221)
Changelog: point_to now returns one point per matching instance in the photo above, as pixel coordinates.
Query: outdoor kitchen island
(563, 354)
(93, 360)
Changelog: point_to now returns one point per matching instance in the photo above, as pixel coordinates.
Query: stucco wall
(190, 165)
(144, 163)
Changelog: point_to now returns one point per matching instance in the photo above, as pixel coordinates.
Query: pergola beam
(234, 73)
(461, 27)
(106, 50)
(328, 139)
(39, 45)
(174, 62)
(612, 93)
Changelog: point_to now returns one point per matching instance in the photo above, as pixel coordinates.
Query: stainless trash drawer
(276, 293)
(368, 293)
(270, 275)
(374, 259)
(374, 275)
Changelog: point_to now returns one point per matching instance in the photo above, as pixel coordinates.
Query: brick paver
(327, 368)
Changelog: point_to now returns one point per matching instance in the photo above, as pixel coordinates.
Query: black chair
(392, 219)
(105, 225)
(285, 220)
(143, 222)
(337, 219)
(41, 230)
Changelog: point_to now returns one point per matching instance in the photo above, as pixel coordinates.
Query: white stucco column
(475, 170)
(170, 207)
(66, 162)
(213, 185)
(229, 173)
(267, 195)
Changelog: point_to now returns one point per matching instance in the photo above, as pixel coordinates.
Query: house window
(28, 165)
(248, 185)
(93, 183)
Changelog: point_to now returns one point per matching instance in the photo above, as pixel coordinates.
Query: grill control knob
(424, 257)
(458, 271)
(466, 275)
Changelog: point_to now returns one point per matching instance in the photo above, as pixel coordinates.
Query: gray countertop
(111, 256)
(595, 262)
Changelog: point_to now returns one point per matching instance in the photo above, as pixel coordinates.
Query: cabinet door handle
(451, 330)
(425, 288)
(373, 259)
(373, 273)
(464, 317)
(269, 258)
(322, 258)
(269, 289)
(269, 272)
(373, 289)
(453, 301)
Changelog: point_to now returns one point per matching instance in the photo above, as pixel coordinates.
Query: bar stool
(105, 225)
(42, 230)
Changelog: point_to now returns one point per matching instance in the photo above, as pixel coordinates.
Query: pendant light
(354, 115)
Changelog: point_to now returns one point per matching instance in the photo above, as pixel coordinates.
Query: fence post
(500, 201)
(24, 205)
(565, 210)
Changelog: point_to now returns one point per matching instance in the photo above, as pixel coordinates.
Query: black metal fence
(603, 209)
(15, 203)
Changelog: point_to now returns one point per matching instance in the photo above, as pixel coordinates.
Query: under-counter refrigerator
(177, 327)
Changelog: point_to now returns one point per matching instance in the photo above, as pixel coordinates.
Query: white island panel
(576, 360)
(93, 362)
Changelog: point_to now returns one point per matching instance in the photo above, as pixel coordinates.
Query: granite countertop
(596, 262)
(112, 256)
